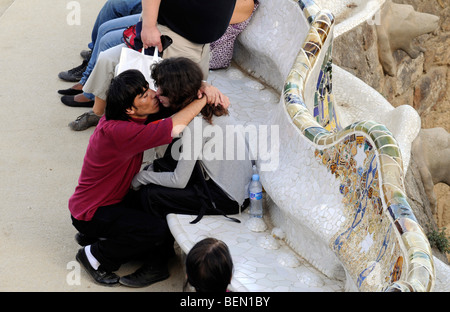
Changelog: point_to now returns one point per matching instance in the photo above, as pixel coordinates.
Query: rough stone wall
(423, 83)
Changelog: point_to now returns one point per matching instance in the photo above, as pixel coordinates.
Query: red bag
(131, 39)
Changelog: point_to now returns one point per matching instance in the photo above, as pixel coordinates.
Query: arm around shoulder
(182, 118)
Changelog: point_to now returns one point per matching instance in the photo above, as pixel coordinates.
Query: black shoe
(69, 100)
(74, 74)
(145, 276)
(101, 277)
(84, 240)
(70, 91)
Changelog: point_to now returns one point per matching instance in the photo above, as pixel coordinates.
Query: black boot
(75, 74)
(146, 275)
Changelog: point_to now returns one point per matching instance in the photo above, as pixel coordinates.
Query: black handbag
(168, 164)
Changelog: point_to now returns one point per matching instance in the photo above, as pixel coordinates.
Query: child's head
(209, 266)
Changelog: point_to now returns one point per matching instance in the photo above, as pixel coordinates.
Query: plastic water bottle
(255, 190)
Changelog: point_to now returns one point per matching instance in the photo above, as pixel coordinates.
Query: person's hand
(135, 186)
(213, 95)
(151, 37)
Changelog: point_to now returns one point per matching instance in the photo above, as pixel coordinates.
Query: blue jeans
(114, 9)
(109, 35)
(112, 20)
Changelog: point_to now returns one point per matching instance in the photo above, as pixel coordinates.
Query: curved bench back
(377, 239)
(271, 59)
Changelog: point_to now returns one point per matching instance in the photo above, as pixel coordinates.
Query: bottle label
(256, 196)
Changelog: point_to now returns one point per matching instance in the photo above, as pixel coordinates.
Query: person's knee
(104, 28)
(106, 61)
(154, 229)
(152, 192)
(109, 40)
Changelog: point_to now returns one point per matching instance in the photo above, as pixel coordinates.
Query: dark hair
(121, 94)
(179, 79)
(209, 266)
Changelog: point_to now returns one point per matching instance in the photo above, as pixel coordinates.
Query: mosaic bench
(335, 193)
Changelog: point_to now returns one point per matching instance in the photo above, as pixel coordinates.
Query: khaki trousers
(100, 78)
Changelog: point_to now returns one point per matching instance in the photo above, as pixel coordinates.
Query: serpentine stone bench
(335, 206)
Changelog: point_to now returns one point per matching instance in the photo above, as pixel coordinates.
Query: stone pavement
(40, 157)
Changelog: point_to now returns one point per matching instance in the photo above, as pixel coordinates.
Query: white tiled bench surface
(256, 268)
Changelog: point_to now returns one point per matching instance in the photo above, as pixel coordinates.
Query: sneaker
(101, 277)
(74, 74)
(145, 276)
(86, 54)
(87, 120)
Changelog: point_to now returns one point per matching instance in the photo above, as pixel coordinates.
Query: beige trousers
(103, 72)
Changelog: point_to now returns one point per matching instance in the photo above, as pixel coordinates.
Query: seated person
(109, 35)
(222, 48)
(103, 205)
(114, 17)
(191, 38)
(212, 138)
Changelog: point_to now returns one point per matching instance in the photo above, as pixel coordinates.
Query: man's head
(129, 97)
(178, 80)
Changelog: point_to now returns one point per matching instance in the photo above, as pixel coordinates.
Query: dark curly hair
(179, 79)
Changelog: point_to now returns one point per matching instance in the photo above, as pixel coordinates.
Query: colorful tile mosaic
(324, 108)
(353, 162)
(381, 243)
(309, 8)
(338, 193)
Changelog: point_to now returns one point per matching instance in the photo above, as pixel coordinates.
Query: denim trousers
(110, 34)
(112, 20)
(113, 9)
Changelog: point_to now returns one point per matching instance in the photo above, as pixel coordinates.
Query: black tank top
(200, 21)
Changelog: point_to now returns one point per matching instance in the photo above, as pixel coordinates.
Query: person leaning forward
(103, 206)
